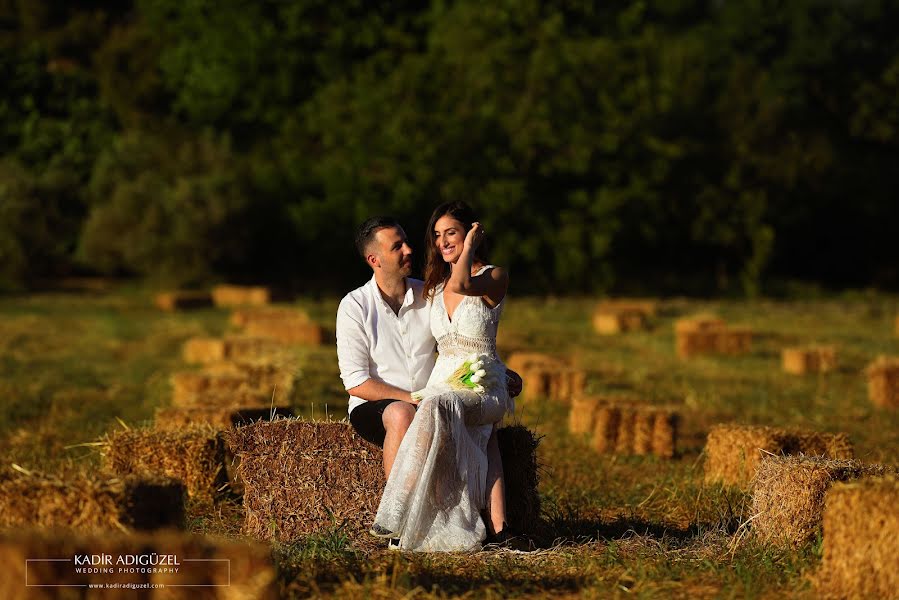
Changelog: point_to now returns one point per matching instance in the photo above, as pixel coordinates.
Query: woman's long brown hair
(437, 270)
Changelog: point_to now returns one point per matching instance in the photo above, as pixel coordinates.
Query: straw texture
(88, 502)
(194, 456)
(861, 540)
(788, 494)
(883, 382)
(812, 359)
(733, 451)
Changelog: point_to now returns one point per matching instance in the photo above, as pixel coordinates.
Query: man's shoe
(381, 532)
(394, 544)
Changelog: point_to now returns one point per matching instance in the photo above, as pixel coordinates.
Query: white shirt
(375, 343)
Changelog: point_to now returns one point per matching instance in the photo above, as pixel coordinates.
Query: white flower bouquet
(477, 373)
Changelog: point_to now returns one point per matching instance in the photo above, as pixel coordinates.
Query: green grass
(72, 366)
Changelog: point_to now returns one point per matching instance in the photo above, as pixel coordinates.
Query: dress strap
(484, 268)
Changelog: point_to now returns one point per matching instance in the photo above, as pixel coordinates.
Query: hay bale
(644, 422)
(225, 569)
(605, 431)
(624, 426)
(664, 433)
(788, 494)
(582, 416)
(648, 309)
(734, 340)
(208, 350)
(87, 502)
(566, 384)
(518, 448)
(611, 322)
(231, 384)
(285, 325)
(546, 376)
(698, 335)
(194, 456)
(861, 540)
(177, 418)
(733, 451)
(883, 381)
(303, 477)
(241, 295)
(810, 359)
(183, 300)
(624, 443)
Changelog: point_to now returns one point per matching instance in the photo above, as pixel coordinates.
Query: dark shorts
(367, 420)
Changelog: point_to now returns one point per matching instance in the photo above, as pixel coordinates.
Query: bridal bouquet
(477, 373)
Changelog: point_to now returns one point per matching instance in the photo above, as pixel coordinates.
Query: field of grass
(72, 366)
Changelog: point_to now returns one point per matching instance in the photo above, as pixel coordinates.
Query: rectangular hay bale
(614, 321)
(241, 295)
(582, 416)
(86, 502)
(788, 495)
(304, 477)
(247, 384)
(811, 359)
(883, 382)
(733, 452)
(193, 455)
(209, 350)
(861, 540)
(605, 431)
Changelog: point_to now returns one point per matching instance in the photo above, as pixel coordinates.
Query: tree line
(654, 146)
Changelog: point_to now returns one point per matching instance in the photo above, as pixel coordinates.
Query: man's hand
(513, 383)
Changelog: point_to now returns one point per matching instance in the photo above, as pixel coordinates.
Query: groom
(385, 349)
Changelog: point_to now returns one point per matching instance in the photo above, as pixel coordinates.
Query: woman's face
(449, 235)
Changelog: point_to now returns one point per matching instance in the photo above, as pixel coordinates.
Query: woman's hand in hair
(475, 236)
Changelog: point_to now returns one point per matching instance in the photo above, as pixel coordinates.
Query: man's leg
(496, 504)
(396, 418)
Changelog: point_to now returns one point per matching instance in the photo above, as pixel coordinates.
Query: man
(385, 349)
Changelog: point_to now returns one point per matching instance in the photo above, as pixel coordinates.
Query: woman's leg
(496, 487)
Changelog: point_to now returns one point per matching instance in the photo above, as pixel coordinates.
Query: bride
(440, 482)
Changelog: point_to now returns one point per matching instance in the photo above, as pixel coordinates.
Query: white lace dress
(438, 485)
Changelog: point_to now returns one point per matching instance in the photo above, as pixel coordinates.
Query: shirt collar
(408, 299)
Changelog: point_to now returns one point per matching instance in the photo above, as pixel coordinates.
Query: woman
(439, 483)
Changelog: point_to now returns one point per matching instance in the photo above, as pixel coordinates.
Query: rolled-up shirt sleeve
(353, 350)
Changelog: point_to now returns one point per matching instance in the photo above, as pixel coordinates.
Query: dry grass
(591, 503)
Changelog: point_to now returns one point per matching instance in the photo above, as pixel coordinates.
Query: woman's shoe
(381, 532)
(506, 539)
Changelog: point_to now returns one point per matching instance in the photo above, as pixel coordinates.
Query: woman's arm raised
(491, 285)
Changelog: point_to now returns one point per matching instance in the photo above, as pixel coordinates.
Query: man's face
(391, 252)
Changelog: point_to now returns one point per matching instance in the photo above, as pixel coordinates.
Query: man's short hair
(366, 232)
